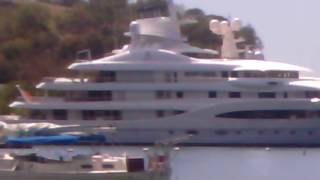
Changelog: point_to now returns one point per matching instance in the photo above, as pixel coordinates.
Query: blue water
(224, 163)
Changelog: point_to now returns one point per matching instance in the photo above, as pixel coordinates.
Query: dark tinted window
(106, 76)
(160, 113)
(59, 114)
(312, 94)
(266, 95)
(212, 94)
(269, 114)
(179, 94)
(234, 74)
(86, 166)
(234, 94)
(225, 74)
(108, 166)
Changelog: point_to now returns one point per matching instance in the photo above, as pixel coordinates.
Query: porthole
(86, 166)
(293, 132)
(192, 132)
(171, 132)
(221, 132)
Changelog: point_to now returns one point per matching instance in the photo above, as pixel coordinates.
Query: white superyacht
(159, 86)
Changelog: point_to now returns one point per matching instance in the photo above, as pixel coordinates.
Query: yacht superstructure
(158, 86)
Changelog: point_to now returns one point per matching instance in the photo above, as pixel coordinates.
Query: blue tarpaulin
(61, 140)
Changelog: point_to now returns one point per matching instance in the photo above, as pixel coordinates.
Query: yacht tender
(83, 167)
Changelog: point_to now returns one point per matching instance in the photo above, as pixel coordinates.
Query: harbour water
(227, 163)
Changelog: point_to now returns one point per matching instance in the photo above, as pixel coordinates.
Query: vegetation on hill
(41, 38)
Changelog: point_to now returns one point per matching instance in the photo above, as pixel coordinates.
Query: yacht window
(209, 74)
(201, 74)
(86, 166)
(294, 74)
(266, 114)
(274, 74)
(36, 114)
(224, 74)
(192, 132)
(283, 74)
(169, 77)
(160, 114)
(191, 74)
(106, 76)
(221, 132)
(163, 94)
(266, 95)
(253, 74)
(108, 166)
(179, 94)
(285, 95)
(234, 94)
(101, 115)
(276, 132)
(175, 77)
(312, 94)
(212, 94)
(88, 115)
(292, 132)
(234, 74)
(99, 95)
(199, 55)
(59, 114)
(178, 112)
(117, 115)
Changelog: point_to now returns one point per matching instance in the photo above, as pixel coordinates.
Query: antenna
(226, 29)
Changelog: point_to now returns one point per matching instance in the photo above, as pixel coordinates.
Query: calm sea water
(224, 163)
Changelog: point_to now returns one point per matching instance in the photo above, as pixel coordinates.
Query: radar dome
(224, 27)
(236, 24)
(215, 26)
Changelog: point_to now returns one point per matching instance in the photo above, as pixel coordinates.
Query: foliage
(7, 94)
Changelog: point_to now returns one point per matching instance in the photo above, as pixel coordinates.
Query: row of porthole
(239, 132)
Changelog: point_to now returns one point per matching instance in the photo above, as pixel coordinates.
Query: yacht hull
(228, 137)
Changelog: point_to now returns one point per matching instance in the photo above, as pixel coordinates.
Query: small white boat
(83, 167)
